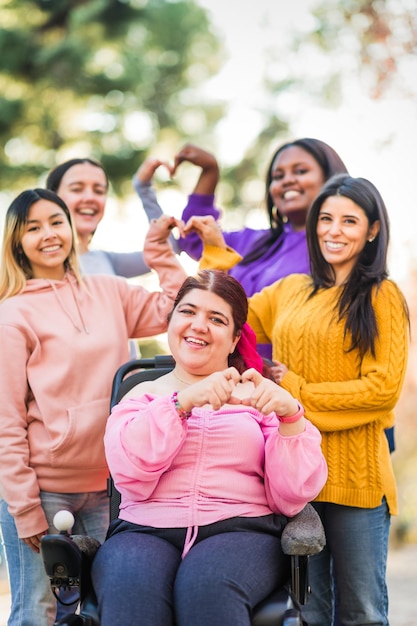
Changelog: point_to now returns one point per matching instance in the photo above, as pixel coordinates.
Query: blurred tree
(117, 78)
(250, 173)
(372, 41)
(105, 78)
(379, 36)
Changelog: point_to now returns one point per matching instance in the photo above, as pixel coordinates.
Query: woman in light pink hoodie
(62, 337)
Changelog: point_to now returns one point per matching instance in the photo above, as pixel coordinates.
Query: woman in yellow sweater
(340, 338)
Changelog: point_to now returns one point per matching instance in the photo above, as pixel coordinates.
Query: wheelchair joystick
(64, 521)
(67, 560)
(61, 556)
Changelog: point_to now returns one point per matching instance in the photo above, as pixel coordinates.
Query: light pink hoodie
(60, 346)
(213, 466)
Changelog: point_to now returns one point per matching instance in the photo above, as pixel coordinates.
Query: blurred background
(118, 80)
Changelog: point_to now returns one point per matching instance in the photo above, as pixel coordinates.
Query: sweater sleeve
(376, 391)
(150, 204)
(295, 469)
(215, 258)
(128, 264)
(18, 480)
(198, 204)
(148, 311)
(143, 436)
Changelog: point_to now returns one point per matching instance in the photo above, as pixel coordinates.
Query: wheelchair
(67, 558)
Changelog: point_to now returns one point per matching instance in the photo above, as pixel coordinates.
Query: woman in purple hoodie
(296, 173)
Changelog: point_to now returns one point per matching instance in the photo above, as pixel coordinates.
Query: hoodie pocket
(82, 445)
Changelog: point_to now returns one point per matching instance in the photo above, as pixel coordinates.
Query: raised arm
(142, 183)
(209, 175)
(201, 200)
(160, 257)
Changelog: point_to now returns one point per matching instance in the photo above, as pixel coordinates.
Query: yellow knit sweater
(214, 258)
(350, 400)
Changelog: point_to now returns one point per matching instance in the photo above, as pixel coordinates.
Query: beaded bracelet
(289, 419)
(183, 414)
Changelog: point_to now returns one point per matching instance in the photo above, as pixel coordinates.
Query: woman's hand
(209, 175)
(34, 542)
(197, 156)
(216, 390)
(248, 389)
(207, 228)
(160, 229)
(148, 168)
(267, 396)
(278, 371)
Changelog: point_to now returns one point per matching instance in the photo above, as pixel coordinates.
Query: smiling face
(201, 333)
(84, 190)
(47, 240)
(296, 180)
(343, 231)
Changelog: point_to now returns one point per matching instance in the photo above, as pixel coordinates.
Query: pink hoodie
(61, 344)
(213, 466)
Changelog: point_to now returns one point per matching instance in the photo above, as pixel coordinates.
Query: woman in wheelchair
(209, 460)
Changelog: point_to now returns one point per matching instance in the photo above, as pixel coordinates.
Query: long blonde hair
(15, 268)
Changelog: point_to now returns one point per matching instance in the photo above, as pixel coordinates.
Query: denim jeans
(140, 578)
(33, 603)
(348, 577)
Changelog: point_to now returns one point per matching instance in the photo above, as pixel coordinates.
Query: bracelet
(290, 419)
(183, 414)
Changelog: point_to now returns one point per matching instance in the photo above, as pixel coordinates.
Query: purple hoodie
(287, 255)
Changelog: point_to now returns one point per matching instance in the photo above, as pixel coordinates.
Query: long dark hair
(330, 164)
(55, 176)
(355, 302)
(231, 291)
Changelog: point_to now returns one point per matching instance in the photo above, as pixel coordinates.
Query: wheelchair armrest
(304, 534)
(62, 560)
(87, 545)
(67, 560)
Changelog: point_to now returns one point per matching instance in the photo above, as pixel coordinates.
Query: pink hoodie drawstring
(190, 537)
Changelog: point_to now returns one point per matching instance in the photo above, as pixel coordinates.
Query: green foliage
(102, 78)
(116, 79)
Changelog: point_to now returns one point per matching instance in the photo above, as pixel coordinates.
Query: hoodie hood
(39, 285)
(36, 285)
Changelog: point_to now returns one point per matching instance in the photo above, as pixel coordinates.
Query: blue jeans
(33, 603)
(140, 578)
(348, 577)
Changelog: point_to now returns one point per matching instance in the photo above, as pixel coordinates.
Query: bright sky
(375, 139)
